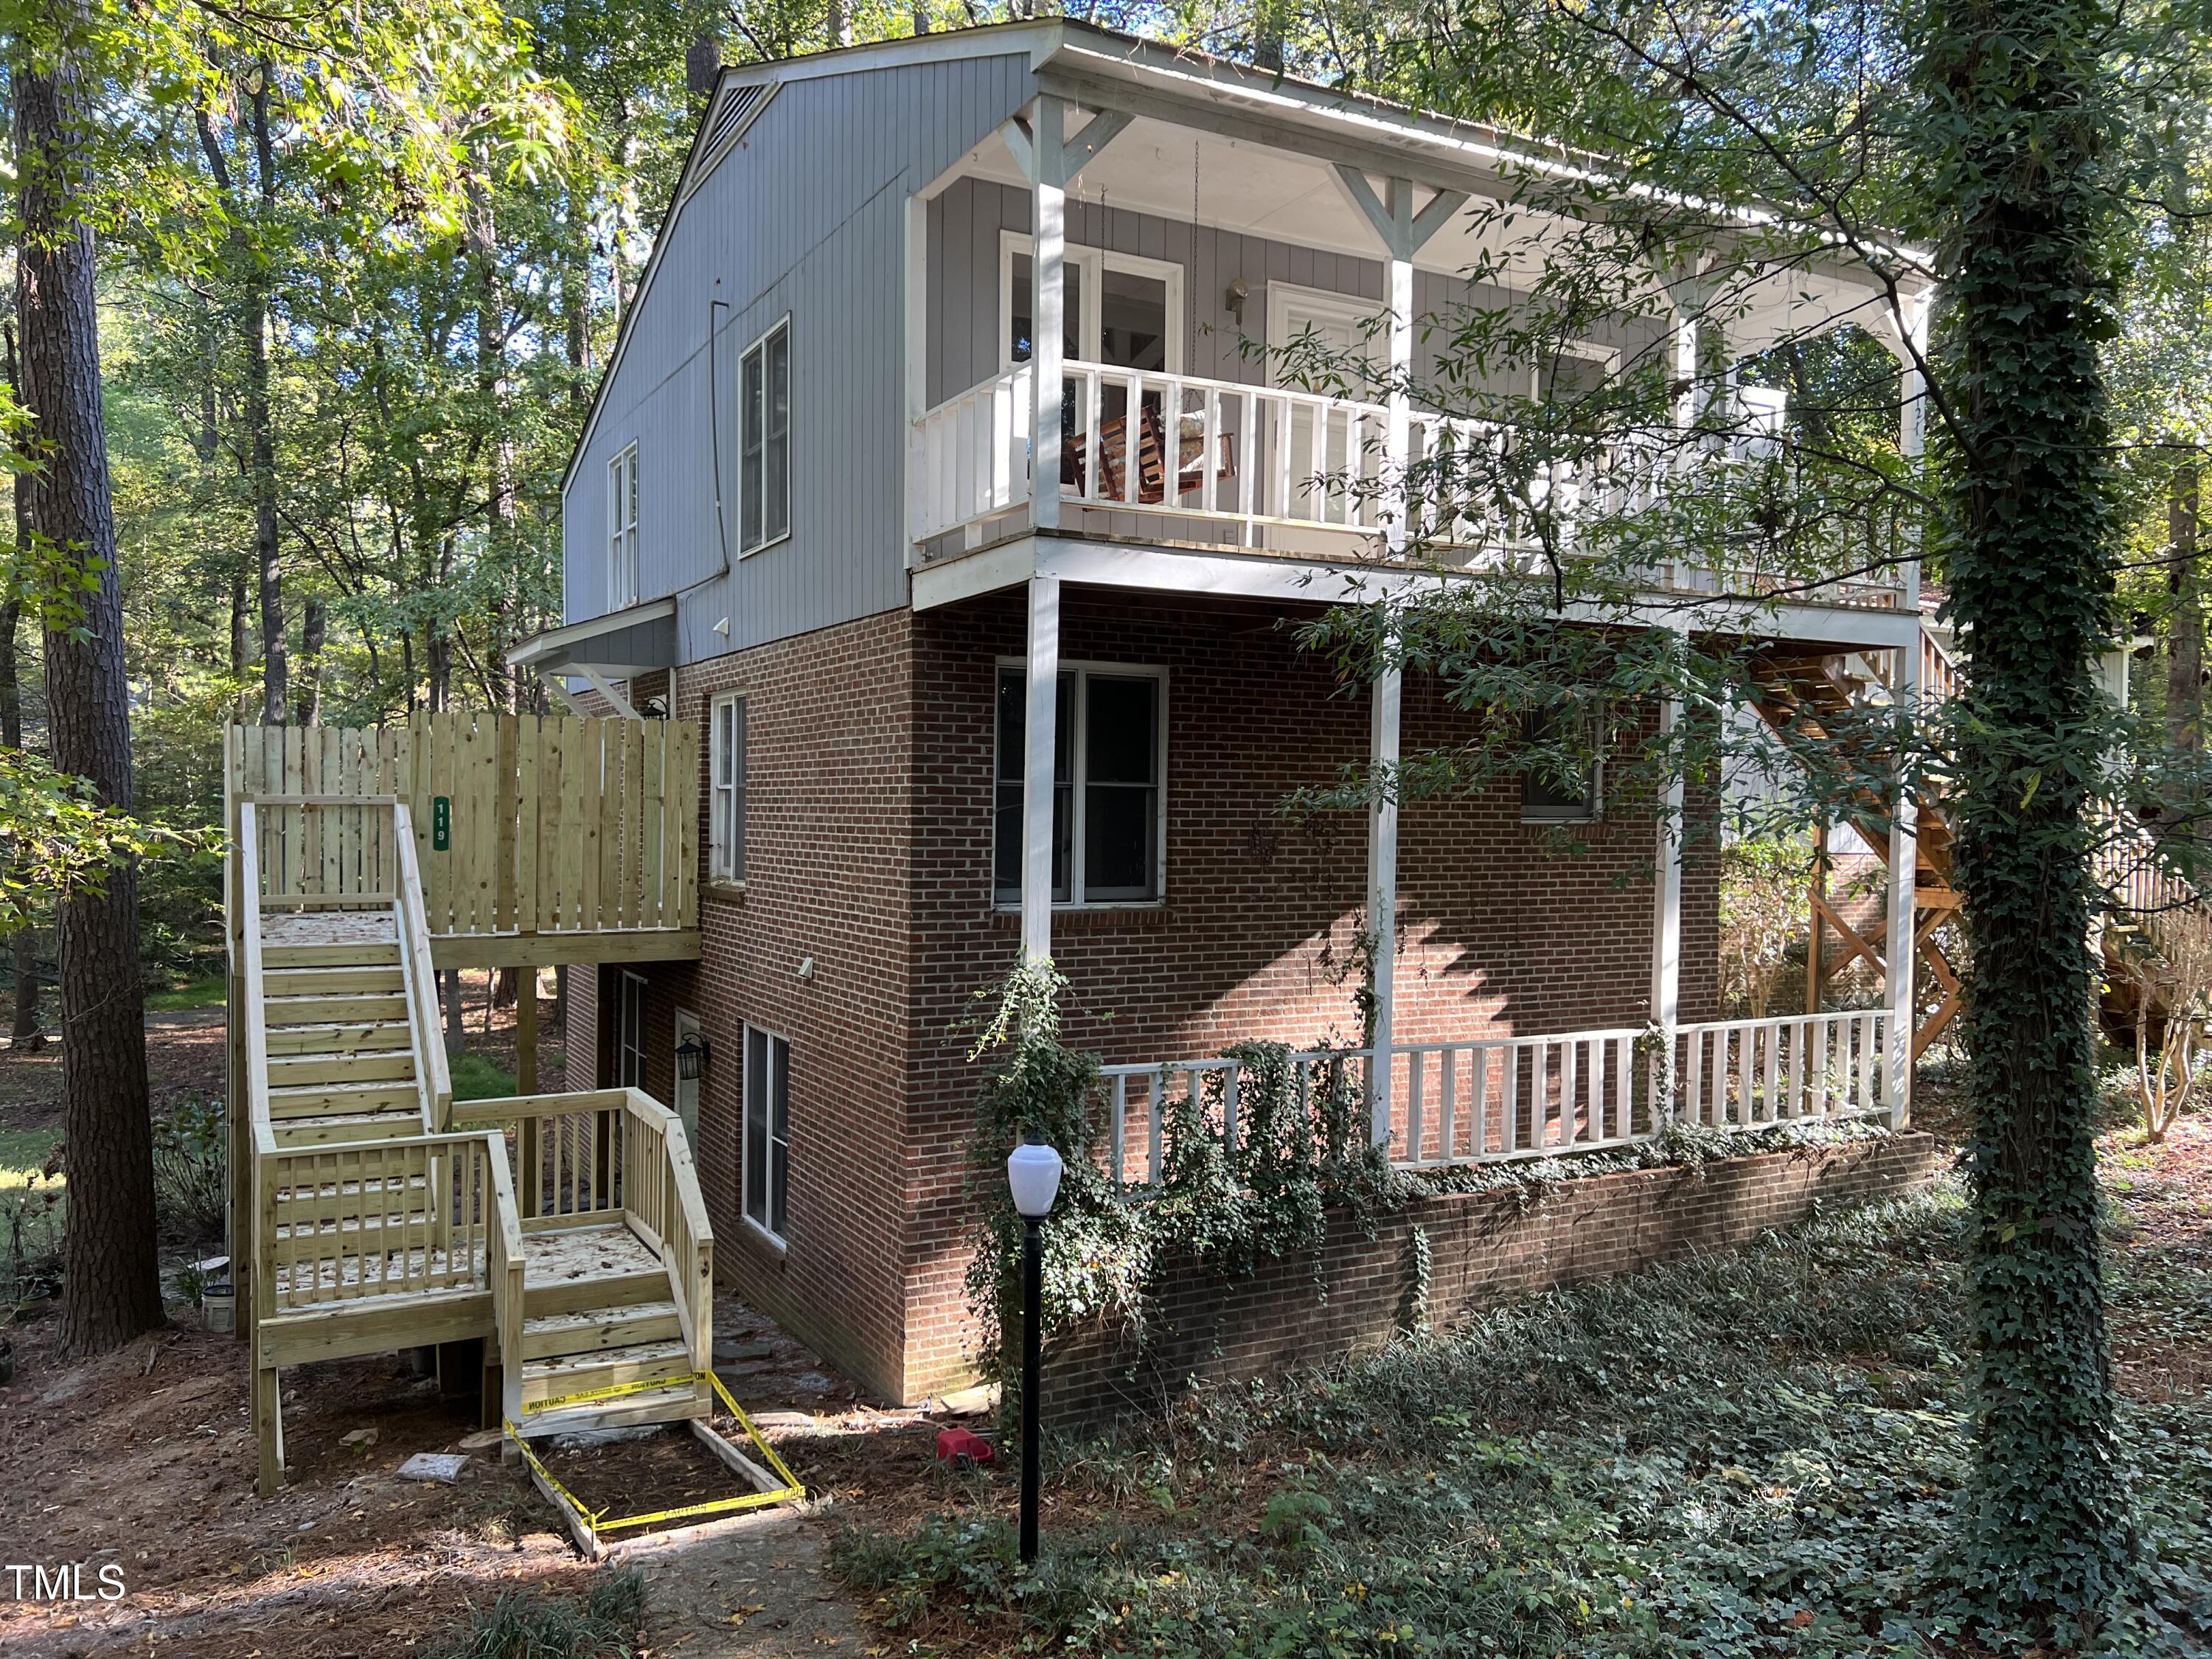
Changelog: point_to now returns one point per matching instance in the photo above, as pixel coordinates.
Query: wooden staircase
(564, 1232)
(1829, 698)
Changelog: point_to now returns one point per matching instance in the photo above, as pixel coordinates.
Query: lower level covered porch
(1494, 979)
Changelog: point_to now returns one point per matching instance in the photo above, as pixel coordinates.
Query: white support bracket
(601, 683)
(1019, 135)
(1404, 233)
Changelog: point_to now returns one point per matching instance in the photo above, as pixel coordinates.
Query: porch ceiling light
(1033, 1173)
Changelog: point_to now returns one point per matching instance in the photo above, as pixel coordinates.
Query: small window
(764, 441)
(726, 822)
(629, 1046)
(768, 1129)
(1107, 826)
(621, 530)
(1547, 796)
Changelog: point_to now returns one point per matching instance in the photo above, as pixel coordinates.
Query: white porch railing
(1253, 465)
(1498, 1099)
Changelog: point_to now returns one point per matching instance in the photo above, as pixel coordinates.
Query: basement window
(768, 1129)
(1547, 795)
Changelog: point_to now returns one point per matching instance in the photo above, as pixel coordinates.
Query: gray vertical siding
(806, 217)
(964, 227)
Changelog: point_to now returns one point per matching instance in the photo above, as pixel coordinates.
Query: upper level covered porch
(1178, 244)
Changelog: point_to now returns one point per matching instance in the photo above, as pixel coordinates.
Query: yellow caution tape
(613, 1391)
(596, 1521)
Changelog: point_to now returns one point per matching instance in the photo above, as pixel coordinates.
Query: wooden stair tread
(586, 1332)
(304, 1134)
(585, 1320)
(332, 1071)
(581, 1373)
(340, 1037)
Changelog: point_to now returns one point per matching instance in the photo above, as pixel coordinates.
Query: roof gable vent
(733, 113)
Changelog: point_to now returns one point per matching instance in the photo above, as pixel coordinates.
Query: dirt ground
(143, 1461)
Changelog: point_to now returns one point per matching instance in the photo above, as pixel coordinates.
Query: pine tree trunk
(25, 1030)
(112, 1288)
(702, 64)
(313, 623)
(2031, 538)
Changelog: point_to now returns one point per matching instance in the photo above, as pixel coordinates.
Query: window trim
(1553, 817)
(1090, 326)
(722, 872)
(745, 1131)
(781, 325)
(1082, 668)
(624, 1049)
(1590, 351)
(622, 531)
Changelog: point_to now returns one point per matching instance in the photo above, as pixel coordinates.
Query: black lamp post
(1033, 1173)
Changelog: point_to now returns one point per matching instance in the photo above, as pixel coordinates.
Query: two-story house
(959, 707)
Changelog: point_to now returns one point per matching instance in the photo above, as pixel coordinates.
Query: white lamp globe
(1033, 1172)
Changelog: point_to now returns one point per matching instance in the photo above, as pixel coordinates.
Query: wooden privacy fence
(523, 824)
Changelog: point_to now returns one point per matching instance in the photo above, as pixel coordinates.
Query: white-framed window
(622, 529)
(1572, 371)
(725, 726)
(1117, 308)
(1108, 798)
(1548, 798)
(629, 1035)
(767, 1151)
(764, 441)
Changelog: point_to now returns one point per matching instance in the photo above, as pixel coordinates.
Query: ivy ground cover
(1760, 1452)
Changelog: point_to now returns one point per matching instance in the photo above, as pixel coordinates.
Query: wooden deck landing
(282, 929)
(580, 1253)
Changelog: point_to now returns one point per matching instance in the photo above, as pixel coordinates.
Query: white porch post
(1666, 920)
(1047, 308)
(1903, 873)
(1382, 891)
(1040, 705)
(1402, 233)
(1399, 439)
(1909, 329)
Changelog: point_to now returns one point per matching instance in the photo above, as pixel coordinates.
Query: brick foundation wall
(1501, 931)
(1485, 1249)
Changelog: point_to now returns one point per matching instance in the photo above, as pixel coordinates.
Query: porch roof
(638, 639)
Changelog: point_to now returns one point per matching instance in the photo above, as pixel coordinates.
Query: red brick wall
(829, 719)
(1484, 1249)
(1500, 932)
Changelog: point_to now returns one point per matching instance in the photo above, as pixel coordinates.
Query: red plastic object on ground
(961, 1449)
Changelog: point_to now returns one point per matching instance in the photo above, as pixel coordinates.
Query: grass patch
(1750, 1454)
(476, 1078)
(605, 1623)
(23, 1154)
(202, 991)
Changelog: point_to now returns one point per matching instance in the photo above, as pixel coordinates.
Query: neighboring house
(800, 513)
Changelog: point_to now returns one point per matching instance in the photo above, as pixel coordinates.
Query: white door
(1320, 342)
(687, 1088)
